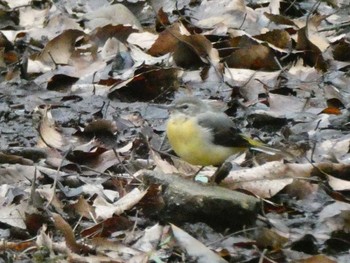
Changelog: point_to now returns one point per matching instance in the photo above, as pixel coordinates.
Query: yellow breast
(193, 143)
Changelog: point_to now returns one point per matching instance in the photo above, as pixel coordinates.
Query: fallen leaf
(316, 259)
(147, 85)
(150, 240)
(194, 248)
(116, 14)
(105, 210)
(107, 227)
(49, 135)
(68, 233)
(60, 49)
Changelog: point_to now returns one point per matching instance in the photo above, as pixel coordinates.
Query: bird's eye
(185, 106)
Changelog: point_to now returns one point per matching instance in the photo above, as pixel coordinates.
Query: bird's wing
(224, 131)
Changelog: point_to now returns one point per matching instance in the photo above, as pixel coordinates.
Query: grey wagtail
(203, 135)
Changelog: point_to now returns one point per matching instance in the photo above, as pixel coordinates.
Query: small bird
(203, 135)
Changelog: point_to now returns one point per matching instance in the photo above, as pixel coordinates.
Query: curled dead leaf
(60, 49)
(49, 135)
(68, 233)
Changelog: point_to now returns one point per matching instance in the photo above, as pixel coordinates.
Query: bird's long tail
(261, 147)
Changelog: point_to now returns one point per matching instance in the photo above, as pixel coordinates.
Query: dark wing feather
(223, 128)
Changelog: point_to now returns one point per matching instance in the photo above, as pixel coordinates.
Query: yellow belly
(193, 143)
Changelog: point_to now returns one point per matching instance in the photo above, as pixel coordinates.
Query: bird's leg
(193, 177)
(221, 173)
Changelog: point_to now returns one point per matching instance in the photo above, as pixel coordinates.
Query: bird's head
(189, 106)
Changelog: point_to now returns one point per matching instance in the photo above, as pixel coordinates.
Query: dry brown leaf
(153, 201)
(190, 51)
(49, 135)
(341, 50)
(166, 42)
(147, 85)
(200, 45)
(60, 49)
(312, 53)
(2, 57)
(331, 110)
(316, 259)
(69, 237)
(107, 227)
(301, 189)
(335, 99)
(10, 57)
(101, 34)
(104, 161)
(254, 57)
(279, 19)
(83, 208)
(34, 221)
(61, 82)
(113, 249)
(12, 159)
(101, 125)
(314, 35)
(16, 246)
(277, 37)
(268, 238)
(195, 51)
(162, 20)
(5, 43)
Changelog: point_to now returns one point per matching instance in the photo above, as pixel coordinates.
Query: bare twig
(56, 176)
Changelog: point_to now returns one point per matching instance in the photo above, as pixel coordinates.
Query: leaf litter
(86, 171)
